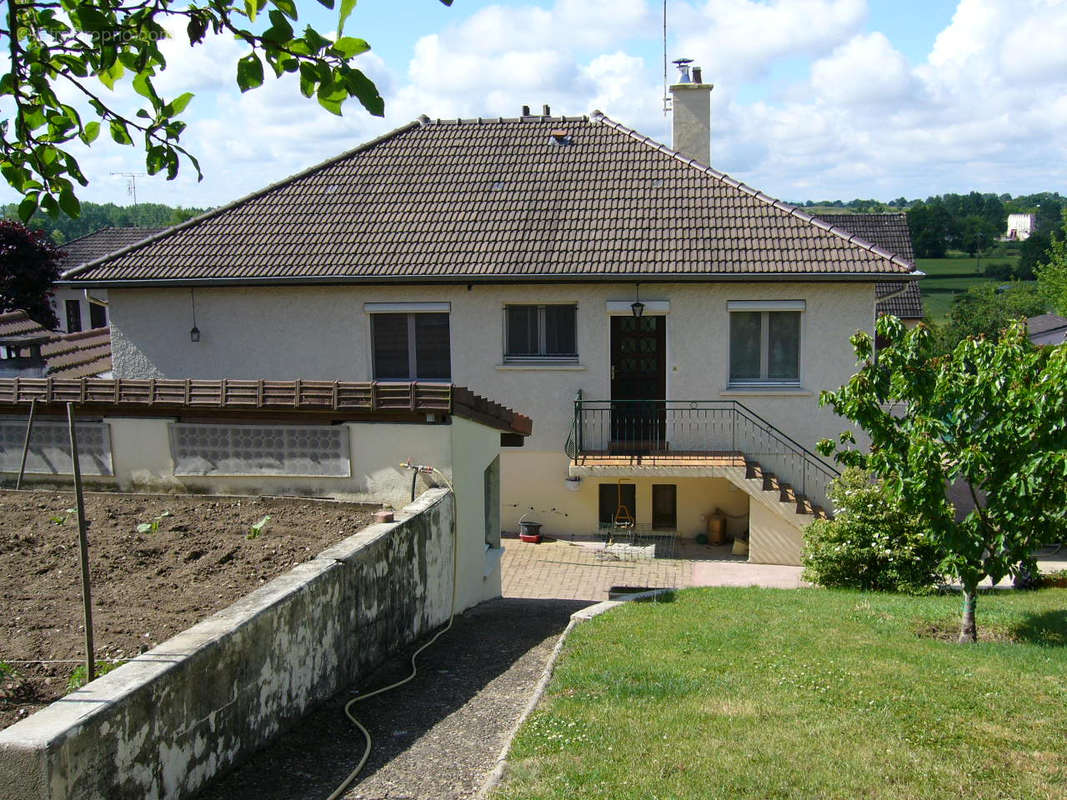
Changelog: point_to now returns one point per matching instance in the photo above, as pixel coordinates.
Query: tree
(977, 234)
(986, 310)
(991, 416)
(90, 45)
(930, 226)
(1052, 274)
(29, 265)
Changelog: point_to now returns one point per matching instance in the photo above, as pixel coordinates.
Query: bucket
(531, 529)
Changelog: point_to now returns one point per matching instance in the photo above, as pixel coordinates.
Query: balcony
(697, 438)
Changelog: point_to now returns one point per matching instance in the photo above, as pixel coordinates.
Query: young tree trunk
(968, 630)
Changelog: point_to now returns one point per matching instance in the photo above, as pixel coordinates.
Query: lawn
(761, 693)
(947, 277)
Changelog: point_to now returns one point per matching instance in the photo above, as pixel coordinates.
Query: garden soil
(193, 556)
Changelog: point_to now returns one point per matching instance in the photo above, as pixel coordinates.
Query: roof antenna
(666, 90)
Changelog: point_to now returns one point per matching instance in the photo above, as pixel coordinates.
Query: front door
(638, 383)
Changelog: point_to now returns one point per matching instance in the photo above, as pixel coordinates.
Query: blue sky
(814, 99)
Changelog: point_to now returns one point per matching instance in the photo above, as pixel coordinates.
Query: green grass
(758, 693)
(947, 277)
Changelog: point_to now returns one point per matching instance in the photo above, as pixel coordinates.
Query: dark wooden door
(638, 383)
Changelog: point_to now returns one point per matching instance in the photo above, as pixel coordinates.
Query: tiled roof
(339, 399)
(1047, 329)
(16, 323)
(67, 355)
(535, 197)
(889, 231)
(101, 243)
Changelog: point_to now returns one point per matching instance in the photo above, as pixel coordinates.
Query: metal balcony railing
(681, 427)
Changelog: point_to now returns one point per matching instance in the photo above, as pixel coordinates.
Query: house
(1020, 227)
(888, 231)
(75, 309)
(668, 327)
(27, 349)
(1047, 329)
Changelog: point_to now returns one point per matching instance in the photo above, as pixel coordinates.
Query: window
(764, 346)
(97, 316)
(411, 347)
(539, 333)
(74, 316)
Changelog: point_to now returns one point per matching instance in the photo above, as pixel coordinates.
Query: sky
(813, 99)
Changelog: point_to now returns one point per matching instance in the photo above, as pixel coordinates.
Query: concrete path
(582, 570)
(436, 738)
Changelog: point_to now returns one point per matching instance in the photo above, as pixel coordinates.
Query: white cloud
(738, 40)
(865, 70)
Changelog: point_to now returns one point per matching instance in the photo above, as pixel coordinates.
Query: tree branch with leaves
(990, 416)
(92, 45)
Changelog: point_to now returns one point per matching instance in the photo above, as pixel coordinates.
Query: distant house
(76, 309)
(30, 351)
(1047, 329)
(1020, 226)
(668, 327)
(890, 232)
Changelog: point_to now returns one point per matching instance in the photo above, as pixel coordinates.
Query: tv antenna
(131, 182)
(666, 86)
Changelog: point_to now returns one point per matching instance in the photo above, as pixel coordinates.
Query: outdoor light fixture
(637, 306)
(194, 334)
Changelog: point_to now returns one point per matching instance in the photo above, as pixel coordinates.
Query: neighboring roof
(79, 355)
(101, 243)
(889, 231)
(1047, 329)
(536, 198)
(66, 355)
(339, 399)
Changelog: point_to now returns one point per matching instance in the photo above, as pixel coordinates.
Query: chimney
(691, 105)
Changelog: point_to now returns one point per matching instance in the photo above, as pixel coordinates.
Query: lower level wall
(773, 540)
(163, 724)
(531, 479)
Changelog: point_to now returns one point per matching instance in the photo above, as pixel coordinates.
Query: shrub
(870, 544)
(999, 270)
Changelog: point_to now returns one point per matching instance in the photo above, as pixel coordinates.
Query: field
(191, 557)
(947, 277)
(759, 693)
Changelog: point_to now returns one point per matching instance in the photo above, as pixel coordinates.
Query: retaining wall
(163, 724)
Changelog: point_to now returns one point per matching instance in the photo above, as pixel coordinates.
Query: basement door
(638, 383)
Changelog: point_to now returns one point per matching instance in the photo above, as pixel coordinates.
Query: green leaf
(144, 527)
(27, 207)
(249, 72)
(196, 29)
(362, 88)
(69, 203)
(119, 133)
(287, 7)
(347, 6)
(178, 104)
(349, 47)
(143, 86)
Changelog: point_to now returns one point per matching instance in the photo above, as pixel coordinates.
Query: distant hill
(95, 216)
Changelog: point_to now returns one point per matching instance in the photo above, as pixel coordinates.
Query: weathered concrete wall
(166, 722)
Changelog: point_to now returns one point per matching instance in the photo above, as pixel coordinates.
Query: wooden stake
(26, 444)
(83, 546)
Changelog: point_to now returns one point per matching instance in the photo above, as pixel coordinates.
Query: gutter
(469, 280)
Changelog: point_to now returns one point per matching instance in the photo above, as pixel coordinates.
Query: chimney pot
(526, 111)
(697, 76)
(548, 112)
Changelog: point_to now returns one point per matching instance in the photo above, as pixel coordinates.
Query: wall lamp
(637, 306)
(194, 333)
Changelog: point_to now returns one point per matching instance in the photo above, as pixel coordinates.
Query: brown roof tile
(67, 355)
(101, 243)
(890, 232)
(491, 199)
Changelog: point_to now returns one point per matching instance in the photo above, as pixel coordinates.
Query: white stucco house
(667, 328)
(1020, 227)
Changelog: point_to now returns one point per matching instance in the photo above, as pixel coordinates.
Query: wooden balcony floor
(663, 459)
